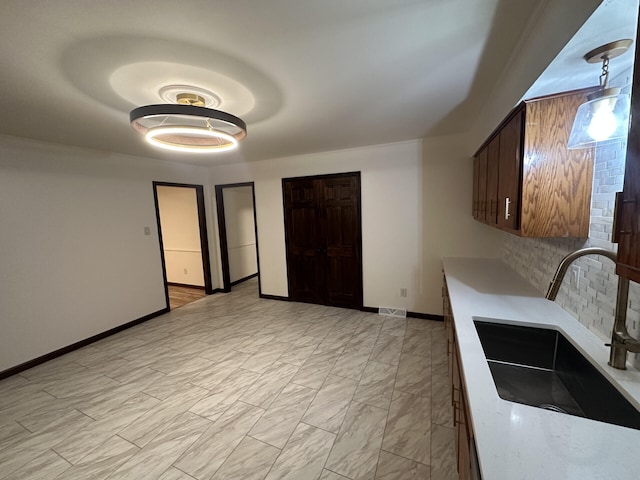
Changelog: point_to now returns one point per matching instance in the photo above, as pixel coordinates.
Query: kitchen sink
(541, 368)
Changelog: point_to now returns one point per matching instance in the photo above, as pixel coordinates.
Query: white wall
(178, 208)
(75, 259)
(449, 229)
(241, 234)
(406, 214)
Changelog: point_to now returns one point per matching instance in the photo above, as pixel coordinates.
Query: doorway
(237, 227)
(184, 245)
(323, 235)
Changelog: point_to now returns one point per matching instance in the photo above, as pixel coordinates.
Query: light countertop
(518, 442)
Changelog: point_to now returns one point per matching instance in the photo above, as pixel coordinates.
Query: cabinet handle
(454, 402)
(507, 204)
(455, 417)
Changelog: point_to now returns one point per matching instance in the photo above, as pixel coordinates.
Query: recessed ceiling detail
(146, 83)
(123, 72)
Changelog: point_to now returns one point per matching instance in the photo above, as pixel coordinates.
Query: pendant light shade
(601, 120)
(604, 117)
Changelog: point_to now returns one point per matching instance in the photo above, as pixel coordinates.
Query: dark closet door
(323, 237)
(302, 233)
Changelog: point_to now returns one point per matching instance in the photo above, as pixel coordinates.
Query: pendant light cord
(604, 77)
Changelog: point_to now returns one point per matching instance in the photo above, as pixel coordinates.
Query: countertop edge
(512, 438)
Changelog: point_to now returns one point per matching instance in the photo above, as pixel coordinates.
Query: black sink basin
(540, 367)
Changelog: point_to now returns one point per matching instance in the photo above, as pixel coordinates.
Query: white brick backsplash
(593, 303)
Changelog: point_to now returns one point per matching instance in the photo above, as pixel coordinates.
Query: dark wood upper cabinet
(493, 167)
(482, 185)
(627, 215)
(476, 193)
(510, 165)
(542, 189)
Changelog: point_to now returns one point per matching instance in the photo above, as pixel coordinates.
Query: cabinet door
(628, 207)
(475, 208)
(510, 173)
(556, 182)
(455, 395)
(448, 326)
(464, 439)
(627, 218)
(493, 165)
(482, 185)
(461, 428)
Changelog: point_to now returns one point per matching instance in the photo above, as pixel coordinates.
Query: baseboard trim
(218, 290)
(275, 297)
(237, 282)
(426, 316)
(174, 284)
(74, 346)
(423, 316)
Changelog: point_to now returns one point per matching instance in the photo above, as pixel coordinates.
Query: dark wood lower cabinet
(462, 428)
(323, 237)
(461, 416)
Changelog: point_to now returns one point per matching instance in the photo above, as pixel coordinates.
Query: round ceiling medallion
(171, 94)
(148, 83)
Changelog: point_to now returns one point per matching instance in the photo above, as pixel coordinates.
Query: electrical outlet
(403, 292)
(147, 230)
(185, 271)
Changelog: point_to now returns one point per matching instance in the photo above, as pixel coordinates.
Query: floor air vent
(393, 312)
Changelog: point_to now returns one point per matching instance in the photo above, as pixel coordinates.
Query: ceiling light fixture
(188, 126)
(604, 118)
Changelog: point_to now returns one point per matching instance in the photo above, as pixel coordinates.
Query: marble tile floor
(235, 387)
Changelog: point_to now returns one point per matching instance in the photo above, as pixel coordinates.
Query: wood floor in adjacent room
(180, 295)
(236, 387)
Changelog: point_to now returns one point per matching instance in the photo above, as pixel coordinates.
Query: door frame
(358, 176)
(204, 238)
(222, 233)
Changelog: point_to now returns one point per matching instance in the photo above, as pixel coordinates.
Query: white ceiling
(613, 20)
(306, 75)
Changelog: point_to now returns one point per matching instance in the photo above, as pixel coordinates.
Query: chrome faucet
(621, 341)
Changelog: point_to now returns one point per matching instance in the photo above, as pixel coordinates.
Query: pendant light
(188, 126)
(604, 118)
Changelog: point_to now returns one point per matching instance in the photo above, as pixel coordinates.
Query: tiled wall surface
(592, 300)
